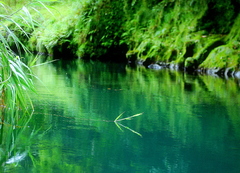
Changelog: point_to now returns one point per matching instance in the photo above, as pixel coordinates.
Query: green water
(190, 124)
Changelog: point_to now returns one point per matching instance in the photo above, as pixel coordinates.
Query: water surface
(189, 123)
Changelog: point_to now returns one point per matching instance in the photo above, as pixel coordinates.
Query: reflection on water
(15, 139)
(190, 123)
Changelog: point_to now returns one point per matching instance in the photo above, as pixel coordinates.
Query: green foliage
(99, 28)
(57, 30)
(15, 76)
(119, 125)
(168, 31)
(14, 137)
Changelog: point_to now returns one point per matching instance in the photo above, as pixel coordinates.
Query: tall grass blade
(29, 16)
(47, 8)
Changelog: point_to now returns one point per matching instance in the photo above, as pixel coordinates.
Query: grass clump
(16, 76)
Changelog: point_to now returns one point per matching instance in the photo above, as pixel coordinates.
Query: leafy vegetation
(16, 27)
(190, 34)
(16, 76)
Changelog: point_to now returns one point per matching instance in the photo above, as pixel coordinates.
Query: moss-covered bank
(189, 34)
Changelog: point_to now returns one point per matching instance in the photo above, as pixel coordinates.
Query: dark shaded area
(192, 63)
(189, 87)
(64, 51)
(207, 51)
(148, 61)
(189, 50)
(173, 55)
(132, 59)
(220, 16)
(115, 54)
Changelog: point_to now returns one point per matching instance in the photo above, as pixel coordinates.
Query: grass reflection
(15, 138)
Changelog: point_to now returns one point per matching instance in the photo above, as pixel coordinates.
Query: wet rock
(213, 72)
(164, 64)
(232, 73)
(174, 66)
(237, 74)
(227, 72)
(139, 62)
(155, 66)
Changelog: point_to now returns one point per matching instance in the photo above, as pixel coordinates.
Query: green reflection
(190, 123)
(15, 139)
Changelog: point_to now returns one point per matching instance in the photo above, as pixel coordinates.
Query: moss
(222, 57)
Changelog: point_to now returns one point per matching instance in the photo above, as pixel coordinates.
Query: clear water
(190, 124)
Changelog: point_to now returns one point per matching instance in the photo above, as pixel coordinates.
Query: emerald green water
(190, 124)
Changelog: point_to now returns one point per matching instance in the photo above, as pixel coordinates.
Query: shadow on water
(190, 123)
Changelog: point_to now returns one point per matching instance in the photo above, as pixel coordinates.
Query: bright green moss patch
(222, 57)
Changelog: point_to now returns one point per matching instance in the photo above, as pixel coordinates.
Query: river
(184, 123)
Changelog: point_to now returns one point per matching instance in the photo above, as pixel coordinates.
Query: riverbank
(194, 36)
